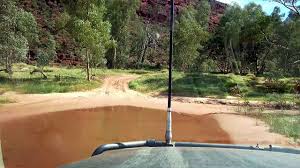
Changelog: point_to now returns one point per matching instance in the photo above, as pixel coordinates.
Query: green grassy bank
(248, 87)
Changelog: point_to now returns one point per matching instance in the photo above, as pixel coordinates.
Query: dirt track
(47, 121)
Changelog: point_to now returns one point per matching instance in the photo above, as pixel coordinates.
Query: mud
(53, 139)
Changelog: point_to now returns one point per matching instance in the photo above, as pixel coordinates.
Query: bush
(132, 85)
(233, 89)
(252, 81)
(205, 66)
(296, 101)
(297, 87)
(279, 102)
(276, 86)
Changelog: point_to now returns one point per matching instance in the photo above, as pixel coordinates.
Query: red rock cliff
(158, 10)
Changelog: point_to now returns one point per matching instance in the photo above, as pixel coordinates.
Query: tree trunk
(147, 44)
(144, 55)
(262, 69)
(115, 58)
(141, 59)
(8, 65)
(88, 66)
(41, 71)
(234, 63)
(43, 74)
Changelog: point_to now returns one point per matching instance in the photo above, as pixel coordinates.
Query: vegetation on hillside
(249, 41)
(110, 34)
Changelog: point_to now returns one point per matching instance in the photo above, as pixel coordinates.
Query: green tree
(45, 53)
(254, 46)
(248, 37)
(122, 16)
(292, 5)
(287, 49)
(189, 38)
(139, 40)
(230, 29)
(85, 21)
(202, 15)
(18, 30)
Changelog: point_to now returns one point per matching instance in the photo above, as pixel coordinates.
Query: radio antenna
(168, 135)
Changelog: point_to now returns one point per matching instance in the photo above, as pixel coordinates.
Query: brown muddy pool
(57, 138)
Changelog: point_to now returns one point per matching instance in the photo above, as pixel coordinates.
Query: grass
(284, 124)
(183, 84)
(281, 122)
(62, 79)
(59, 80)
(288, 125)
(216, 85)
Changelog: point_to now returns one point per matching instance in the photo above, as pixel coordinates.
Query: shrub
(279, 102)
(297, 87)
(252, 81)
(233, 89)
(276, 86)
(296, 101)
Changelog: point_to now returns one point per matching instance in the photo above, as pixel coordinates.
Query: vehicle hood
(189, 157)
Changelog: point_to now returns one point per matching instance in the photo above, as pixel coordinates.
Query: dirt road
(58, 123)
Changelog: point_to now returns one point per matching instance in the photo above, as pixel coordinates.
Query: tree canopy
(112, 34)
(18, 30)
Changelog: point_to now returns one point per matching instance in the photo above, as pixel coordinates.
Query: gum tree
(292, 5)
(122, 16)
(18, 29)
(85, 21)
(189, 38)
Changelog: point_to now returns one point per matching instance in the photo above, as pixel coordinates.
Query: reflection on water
(54, 139)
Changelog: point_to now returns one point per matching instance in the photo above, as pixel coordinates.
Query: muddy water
(54, 139)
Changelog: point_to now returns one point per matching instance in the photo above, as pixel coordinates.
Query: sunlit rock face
(217, 11)
(158, 10)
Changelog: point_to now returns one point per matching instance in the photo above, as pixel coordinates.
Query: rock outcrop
(217, 11)
(158, 10)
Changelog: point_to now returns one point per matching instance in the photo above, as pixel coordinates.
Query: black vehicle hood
(189, 157)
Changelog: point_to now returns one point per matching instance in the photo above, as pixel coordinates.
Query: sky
(267, 5)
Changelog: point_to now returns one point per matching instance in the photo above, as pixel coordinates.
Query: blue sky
(267, 5)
